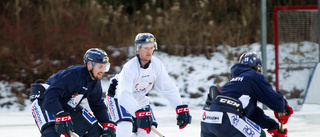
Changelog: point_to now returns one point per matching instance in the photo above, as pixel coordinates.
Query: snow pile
(292, 56)
(8, 100)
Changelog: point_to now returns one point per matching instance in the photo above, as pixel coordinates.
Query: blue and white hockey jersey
(69, 87)
(249, 86)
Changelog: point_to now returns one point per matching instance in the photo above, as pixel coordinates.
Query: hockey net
(296, 33)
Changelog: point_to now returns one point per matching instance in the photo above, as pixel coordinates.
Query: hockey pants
(225, 124)
(125, 122)
(84, 123)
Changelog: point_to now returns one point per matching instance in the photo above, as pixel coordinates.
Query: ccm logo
(63, 118)
(109, 125)
(230, 102)
(181, 110)
(143, 113)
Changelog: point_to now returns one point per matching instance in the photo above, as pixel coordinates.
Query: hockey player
(234, 111)
(56, 108)
(128, 92)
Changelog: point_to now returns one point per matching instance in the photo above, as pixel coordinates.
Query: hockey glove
(144, 119)
(109, 129)
(284, 116)
(183, 116)
(276, 132)
(63, 123)
(112, 87)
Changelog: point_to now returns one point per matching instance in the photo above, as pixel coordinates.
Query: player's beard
(99, 76)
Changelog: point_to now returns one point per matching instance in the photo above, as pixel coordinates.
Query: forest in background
(40, 37)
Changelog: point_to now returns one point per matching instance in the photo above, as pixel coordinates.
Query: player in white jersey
(127, 95)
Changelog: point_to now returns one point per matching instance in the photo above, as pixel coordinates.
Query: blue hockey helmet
(96, 55)
(143, 38)
(251, 59)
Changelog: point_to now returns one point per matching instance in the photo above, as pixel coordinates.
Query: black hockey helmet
(96, 55)
(251, 59)
(143, 38)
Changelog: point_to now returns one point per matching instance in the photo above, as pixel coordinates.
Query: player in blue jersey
(56, 103)
(233, 111)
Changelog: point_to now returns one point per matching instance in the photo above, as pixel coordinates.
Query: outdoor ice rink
(303, 123)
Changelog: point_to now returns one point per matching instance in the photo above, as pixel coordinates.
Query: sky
(190, 74)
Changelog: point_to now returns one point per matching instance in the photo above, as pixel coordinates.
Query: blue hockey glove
(183, 116)
(63, 123)
(144, 119)
(109, 129)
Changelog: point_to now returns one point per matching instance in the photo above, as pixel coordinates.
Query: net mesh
(298, 26)
(298, 35)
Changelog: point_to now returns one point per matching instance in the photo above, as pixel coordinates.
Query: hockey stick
(279, 115)
(72, 134)
(157, 132)
(281, 123)
(281, 127)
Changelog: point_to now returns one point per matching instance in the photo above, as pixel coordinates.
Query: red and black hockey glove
(276, 132)
(109, 129)
(183, 116)
(144, 119)
(284, 116)
(63, 123)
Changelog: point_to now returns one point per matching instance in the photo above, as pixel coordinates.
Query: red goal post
(294, 24)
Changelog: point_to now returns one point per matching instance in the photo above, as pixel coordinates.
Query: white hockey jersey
(134, 82)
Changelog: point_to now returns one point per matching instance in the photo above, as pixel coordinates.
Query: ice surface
(305, 122)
